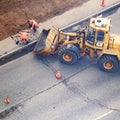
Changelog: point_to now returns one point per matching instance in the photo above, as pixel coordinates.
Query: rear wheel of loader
(108, 63)
(67, 56)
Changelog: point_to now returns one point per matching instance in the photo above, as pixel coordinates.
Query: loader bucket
(40, 45)
(47, 42)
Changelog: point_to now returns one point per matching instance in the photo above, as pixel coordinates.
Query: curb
(28, 48)
(17, 53)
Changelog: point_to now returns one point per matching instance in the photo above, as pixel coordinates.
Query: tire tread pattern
(106, 58)
(69, 51)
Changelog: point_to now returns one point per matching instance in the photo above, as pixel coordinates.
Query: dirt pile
(15, 13)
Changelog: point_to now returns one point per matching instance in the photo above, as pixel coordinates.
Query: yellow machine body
(95, 41)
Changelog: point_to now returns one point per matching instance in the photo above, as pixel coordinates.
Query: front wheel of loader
(67, 56)
(108, 63)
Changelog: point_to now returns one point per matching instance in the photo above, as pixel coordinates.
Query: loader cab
(97, 32)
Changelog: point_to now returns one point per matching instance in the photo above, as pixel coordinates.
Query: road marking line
(102, 116)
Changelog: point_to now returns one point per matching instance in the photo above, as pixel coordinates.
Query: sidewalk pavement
(69, 17)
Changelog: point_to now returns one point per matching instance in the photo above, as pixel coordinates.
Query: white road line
(102, 116)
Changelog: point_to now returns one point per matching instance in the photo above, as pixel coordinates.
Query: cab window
(100, 35)
(99, 38)
(90, 35)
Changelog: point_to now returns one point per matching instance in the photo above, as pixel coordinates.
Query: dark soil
(15, 13)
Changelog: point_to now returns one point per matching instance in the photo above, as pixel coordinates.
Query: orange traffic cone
(58, 75)
(7, 100)
(103, 3)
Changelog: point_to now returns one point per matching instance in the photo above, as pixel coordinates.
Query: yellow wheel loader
(95, 41)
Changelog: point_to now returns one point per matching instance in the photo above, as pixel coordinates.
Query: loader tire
(67, 56)
(108, 63)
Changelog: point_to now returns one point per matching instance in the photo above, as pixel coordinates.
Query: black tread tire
(108, 58)
(71, 52)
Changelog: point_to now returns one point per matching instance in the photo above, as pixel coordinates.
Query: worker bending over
(33, 25)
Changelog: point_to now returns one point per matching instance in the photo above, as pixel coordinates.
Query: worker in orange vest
(24, 38)
(33, 25)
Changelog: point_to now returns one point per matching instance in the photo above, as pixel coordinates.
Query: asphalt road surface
(83, 93)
